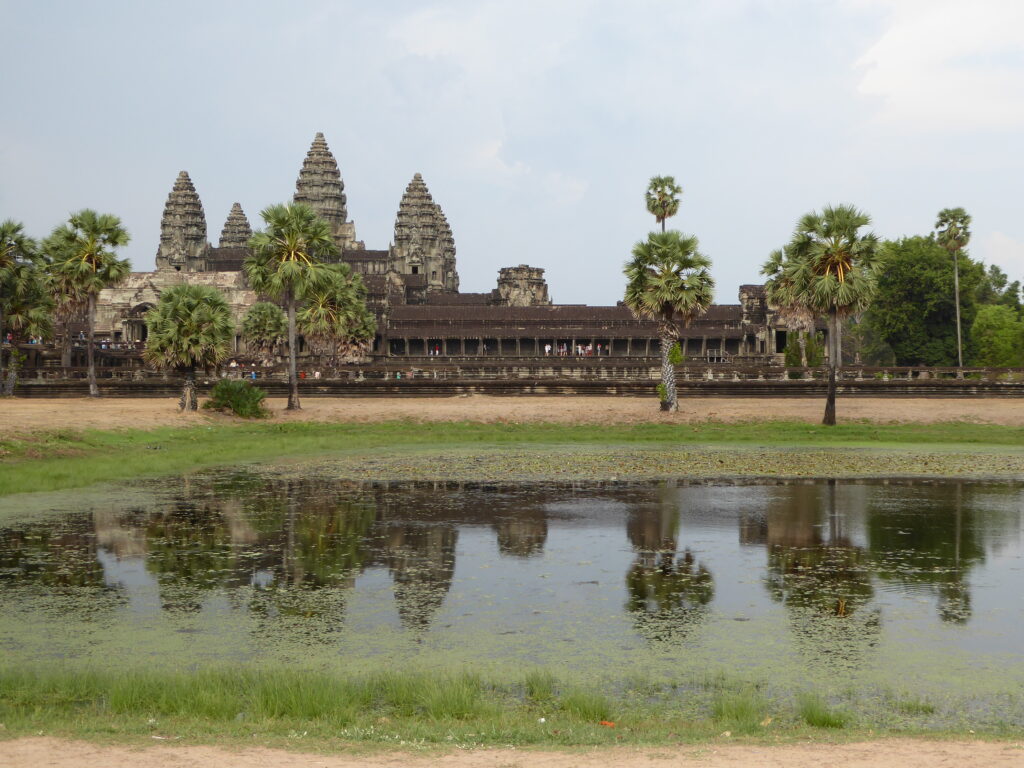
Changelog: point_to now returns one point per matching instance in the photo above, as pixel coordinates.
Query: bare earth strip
(17, 415)
(901, 753)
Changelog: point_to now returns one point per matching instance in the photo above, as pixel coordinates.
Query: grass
(56, 460)
(744, 711)
(816, 712)
(404, 709)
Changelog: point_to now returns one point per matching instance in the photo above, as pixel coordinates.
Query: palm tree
(287, 264)
(663, 198)
(25, 307)
(668, 281)
(781, 296)
(15, 248)
(190, 327)
(87, 264)
(953, 233)
(264, 327)
(335, 319)
(832, 270)
(69, 301)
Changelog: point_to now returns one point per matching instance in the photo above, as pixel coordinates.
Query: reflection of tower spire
(422, 564)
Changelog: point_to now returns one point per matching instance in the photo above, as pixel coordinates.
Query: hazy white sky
(536, 124)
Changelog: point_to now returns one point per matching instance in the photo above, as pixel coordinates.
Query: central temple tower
(320, 187)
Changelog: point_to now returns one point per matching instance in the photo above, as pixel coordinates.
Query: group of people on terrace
(588, 350)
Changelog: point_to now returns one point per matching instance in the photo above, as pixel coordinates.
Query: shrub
(675, 355)
(238, 396)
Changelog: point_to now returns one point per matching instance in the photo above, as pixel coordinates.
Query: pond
(866, 585)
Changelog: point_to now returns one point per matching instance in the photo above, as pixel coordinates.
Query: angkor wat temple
(413, 287)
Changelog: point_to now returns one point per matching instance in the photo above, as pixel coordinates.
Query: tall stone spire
(423, 239)
(236, 232)
(183, 243)
(320, 187)
(417, 214)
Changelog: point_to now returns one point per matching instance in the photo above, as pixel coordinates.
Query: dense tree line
(45, 286)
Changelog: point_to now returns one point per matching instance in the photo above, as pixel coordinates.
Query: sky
(536, 124)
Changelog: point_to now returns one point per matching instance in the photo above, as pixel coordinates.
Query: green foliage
(815, 349)
(190, 327)
(913, 312)
(540, 686)
(740, 711)
(288, 257)
(997, 337)
(662, 198)
(239, 396)
(84, 251)
(668, 280)
(335, 320)
(586, 705)
(995, 288)
(25, 304)
(662, 391)
(816, 712)
(675, 354)
(264, 327)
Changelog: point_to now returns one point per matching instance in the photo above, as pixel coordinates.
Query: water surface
(862, 585)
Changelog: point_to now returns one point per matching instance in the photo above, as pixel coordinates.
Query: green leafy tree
(912, 314)
(264, 328)
(953, 233)
(287, 264)
(662, 198)
(87, 264)
(16, 249)
(335, 320)
(190, 327)
(997, 337)
(996, 288)
(668, 281)
(831, 266)
(792, 307)
(68, 297)
(26, 311)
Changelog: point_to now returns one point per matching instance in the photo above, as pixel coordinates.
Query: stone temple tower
(320, 187)
(183, 245)
(424, 244)
(236, 232)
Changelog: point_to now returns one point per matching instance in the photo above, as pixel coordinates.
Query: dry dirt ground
(18, 415)
(901, 753)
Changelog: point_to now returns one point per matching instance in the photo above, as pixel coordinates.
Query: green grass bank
(314, 710)
(48, 461)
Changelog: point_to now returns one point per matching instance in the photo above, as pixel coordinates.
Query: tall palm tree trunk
(293, 375)
(669, 335)
(94, 390)
(830, 400)
(65, 348)
(189, 401)
(956, 299)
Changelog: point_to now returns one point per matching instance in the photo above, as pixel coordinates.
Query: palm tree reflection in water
(668, 593)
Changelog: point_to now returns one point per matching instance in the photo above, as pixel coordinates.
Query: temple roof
(418, 215)
(236, 232)
(183, 219)
(320, 185)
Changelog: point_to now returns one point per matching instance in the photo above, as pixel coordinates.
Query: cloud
(1006, 252)
(563, 189)
(486, 157)
(945, 65)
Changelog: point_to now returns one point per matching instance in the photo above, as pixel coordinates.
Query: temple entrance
(135, 329)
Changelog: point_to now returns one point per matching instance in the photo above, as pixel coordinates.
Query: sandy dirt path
(900, 753)
(17, 416)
